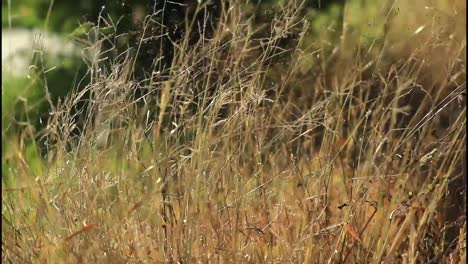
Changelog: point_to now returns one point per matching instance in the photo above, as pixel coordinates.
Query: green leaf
(106, 30)
(82, 30)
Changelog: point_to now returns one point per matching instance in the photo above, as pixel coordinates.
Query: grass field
(344, 151)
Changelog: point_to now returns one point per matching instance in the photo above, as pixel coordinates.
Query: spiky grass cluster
(234, 156)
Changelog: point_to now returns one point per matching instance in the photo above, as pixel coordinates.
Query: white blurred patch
(18, 46)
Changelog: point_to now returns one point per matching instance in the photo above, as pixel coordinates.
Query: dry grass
(244, 159)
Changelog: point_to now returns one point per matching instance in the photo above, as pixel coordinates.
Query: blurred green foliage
(24, 97)
(24, 101)
(28, 104)
(63, 15)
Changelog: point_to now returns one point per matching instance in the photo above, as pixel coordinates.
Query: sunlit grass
(247, 160)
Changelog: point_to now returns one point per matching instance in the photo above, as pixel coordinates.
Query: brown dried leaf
(85, 228)
(352, 232)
